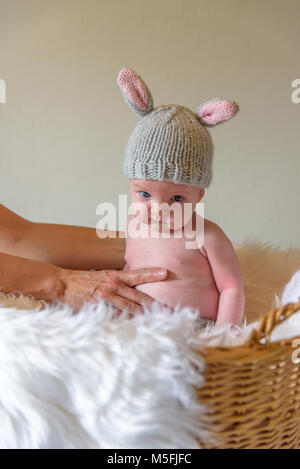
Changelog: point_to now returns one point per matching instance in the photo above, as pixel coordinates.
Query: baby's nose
(159, 210)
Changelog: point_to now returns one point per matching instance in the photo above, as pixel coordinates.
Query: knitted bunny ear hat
(170, 142)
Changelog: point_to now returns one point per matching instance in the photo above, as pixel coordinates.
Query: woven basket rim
(224, 348)
(242, 354)
(265, 327)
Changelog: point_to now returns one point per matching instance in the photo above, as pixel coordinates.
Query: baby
(169, 165)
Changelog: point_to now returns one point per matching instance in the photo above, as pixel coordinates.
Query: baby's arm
(228, 276)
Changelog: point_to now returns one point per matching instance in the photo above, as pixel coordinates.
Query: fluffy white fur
(92, 380)
(87, 381)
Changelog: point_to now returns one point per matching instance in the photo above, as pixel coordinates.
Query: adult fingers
(133, 295)
(133, 278)
(130, 295)
(119, 302)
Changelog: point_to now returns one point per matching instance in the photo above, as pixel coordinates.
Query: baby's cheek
(174, 219)
(141, 211)
(144, 215)
(176, 224)
(183, 218)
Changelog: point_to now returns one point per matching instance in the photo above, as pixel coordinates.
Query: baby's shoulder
(208, 234)
(213, 233)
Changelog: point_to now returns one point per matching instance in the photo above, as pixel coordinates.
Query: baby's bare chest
(181, 258)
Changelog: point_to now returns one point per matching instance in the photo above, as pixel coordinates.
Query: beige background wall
(64, 127)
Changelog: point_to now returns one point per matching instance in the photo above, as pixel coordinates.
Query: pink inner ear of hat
(134, 88)
(215, 112)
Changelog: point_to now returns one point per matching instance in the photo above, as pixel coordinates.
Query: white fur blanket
(93, 381)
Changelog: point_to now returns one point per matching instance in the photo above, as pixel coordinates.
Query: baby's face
(154, 193)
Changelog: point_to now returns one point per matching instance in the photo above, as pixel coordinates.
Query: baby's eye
(177, 198)
(144, 194)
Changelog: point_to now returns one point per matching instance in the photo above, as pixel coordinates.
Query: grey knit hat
(170, 142)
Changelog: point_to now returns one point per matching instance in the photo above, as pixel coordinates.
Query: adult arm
(71, 247)
(47, 261)
(51, 283)
(19, 275)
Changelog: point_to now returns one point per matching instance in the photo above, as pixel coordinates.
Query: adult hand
(116, 287)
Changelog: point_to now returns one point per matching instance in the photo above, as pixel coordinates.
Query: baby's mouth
(153, 221)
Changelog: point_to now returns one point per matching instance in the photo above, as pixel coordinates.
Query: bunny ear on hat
(135, 92)
(215, 111)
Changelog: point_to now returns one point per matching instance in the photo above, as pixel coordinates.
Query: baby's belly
(185, 292)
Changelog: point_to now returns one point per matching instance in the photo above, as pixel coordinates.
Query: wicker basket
(252, 391)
